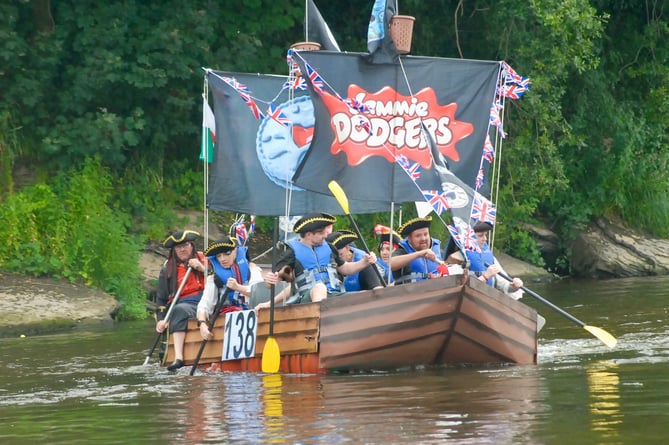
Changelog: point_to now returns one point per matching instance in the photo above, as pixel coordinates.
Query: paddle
(271, 355)
(339, 194)
(214, 317)
(606, 338)
(167, 316)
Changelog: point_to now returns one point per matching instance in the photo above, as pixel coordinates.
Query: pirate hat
(482, 226)
(388, 238)
(313, 222)
(414, 224)
(180, 237)
(223, 245)
(341, 238)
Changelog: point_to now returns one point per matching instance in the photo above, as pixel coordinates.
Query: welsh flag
(208, 133)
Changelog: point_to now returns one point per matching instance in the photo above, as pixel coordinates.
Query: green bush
(68, 230)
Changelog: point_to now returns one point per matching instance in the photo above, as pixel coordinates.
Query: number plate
(240, 335)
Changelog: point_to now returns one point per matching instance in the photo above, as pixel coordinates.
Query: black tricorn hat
(341, 238)
(482, 226)
(313, 222)
(223, 245)
(414, 224)
(388, 237)
(180, 237)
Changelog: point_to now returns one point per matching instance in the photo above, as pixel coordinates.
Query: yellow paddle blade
(606, 338)
(339, 195)
(271, 356)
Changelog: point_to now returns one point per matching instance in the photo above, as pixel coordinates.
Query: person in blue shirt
(366, 279)
(485, 266)
(418, 256)
(312, 263)
(233, 271)
(387, 245)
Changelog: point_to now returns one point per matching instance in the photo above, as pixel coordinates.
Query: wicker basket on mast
(401, 31)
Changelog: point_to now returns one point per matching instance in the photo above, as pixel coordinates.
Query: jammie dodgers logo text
(392, 127)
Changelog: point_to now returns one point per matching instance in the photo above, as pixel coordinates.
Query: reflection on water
(604, 386)
(273, 408)
(92, 387)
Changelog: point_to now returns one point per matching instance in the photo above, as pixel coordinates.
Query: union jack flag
(510, 75)
(496, 120)
(240, 233)
(488, 150)
(315, 79)
(483, 210)
(513, 91)
(438, 200)
(455, 234)
(275, 113)
(479, 179)
(245, 94)
(470, 240)
(239, 87)
(402, 160)
(253, 106)
(357, 105)
(296, 83)
(413, 170)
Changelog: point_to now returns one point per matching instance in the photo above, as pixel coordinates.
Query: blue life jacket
(477, 261)
(420, 268)
(352, 282)
(319, 266)
(234, 298)
(383, 268)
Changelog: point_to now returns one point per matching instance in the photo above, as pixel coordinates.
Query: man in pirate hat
(366, 279)
(182, 257)
(418, 256)
(313, 262)
(478, 260)
(233, 271)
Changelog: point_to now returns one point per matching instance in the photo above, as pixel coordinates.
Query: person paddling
(232, 270)
(485, 266)
(313, 263)
(182, 257)
(418, 256)
(367, 278)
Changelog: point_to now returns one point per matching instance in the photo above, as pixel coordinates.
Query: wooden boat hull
(446, 321)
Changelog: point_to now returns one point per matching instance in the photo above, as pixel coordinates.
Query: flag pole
(306, 20)
(205, 149)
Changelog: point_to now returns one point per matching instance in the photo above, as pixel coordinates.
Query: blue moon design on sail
(281, 148)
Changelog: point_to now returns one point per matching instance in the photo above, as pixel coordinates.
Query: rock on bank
(36, 306)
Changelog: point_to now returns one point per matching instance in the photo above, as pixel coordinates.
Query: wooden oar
(339, 194)
(271, 355)
(167, 316)
(606, 338)
(210, 325)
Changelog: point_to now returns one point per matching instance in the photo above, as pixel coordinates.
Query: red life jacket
(195, 283)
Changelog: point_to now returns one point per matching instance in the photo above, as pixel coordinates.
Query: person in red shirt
(182, 256)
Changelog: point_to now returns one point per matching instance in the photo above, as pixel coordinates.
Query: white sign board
(240, 335)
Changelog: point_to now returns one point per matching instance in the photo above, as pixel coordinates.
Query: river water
(92, 388)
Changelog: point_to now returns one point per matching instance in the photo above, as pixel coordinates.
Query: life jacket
(478, 260)
(234, 297)
(352, 282)
(319, 266)
(194, 286)
(419, 269)
(383, 269)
